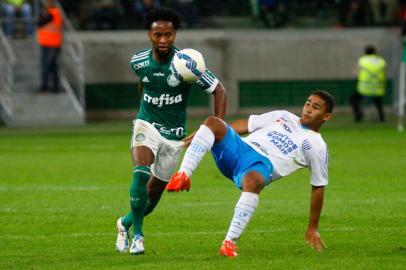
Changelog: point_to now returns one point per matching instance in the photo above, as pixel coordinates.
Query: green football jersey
(163, 100)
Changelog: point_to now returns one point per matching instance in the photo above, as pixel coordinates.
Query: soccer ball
(188, 65)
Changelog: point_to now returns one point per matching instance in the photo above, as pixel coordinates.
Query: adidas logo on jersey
(164, 99)
(145, 79)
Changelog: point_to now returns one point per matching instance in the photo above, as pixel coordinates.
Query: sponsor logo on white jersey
(282, 142)
(164, 99)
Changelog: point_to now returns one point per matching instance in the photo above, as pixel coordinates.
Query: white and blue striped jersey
(279, 136)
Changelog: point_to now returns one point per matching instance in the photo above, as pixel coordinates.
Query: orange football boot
(228, 249)
(179, 182)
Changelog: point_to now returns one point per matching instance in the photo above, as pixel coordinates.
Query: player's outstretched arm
(220, 101)
(220, 104)
(316, 204)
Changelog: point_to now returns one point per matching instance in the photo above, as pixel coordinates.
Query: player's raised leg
(213, 129)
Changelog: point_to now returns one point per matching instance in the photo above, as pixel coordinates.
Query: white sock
(201, 144)
(244, 209)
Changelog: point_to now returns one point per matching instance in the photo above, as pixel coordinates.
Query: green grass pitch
(62, 189)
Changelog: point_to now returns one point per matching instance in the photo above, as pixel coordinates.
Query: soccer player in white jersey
(278, 144)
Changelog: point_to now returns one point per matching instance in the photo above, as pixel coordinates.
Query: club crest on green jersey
(172, 80)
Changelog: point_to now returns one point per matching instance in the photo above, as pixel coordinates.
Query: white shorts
(166, 152)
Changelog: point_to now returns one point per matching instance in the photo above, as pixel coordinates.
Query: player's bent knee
(253, 182)
(212, 121)
(215, 124)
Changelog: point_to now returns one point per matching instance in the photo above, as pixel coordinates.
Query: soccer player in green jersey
(159, 129)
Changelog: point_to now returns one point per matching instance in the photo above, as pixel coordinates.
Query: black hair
(370, 49)
(327, 98)
(162, 14)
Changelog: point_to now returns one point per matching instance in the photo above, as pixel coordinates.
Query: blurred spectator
(370, 83)
(105, 14)
(402, 17)
(254, 8)
(357, 13)
(352, 12)
(189, 11)
(210, 8)
(273, 13)
(72, 10)
(141, 7)
(320, 8)
(14, 9)
(383, 11)
(341, 6)
(50, 41)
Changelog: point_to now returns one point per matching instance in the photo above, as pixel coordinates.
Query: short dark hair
(327, 98)
(370, 49)
(162, 14)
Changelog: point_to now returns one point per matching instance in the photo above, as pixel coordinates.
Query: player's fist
(179, 182)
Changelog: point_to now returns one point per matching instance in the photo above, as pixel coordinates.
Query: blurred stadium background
(265, 57)
(62, 188)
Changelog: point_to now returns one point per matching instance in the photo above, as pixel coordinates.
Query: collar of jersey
(159, 64)
(308, 129)
(304, 127)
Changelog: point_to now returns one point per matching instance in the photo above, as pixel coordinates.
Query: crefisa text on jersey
(164, 99)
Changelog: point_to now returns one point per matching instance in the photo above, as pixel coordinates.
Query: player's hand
(179, 182)
(314, 241)
(188, 139)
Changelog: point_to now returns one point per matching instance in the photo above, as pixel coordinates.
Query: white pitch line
(52, 188)
(45, 147)
(159, 234)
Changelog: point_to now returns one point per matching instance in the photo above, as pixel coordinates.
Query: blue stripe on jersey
(306, 145)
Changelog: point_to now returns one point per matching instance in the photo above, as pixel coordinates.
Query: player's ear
(327, 116)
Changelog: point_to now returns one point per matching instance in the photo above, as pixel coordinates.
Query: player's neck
(312, 128)
(161, 58)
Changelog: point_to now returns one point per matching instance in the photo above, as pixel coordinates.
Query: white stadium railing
(7, 60)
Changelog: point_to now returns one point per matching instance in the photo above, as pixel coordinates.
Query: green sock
(127, 220)
(151, 206)
(139, 196)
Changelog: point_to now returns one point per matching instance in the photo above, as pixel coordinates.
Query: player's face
(314, 113)
(162, 36)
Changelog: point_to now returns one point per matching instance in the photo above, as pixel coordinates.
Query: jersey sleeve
(317, 157)
(256, 122)
(208, 81)
(139, 61)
